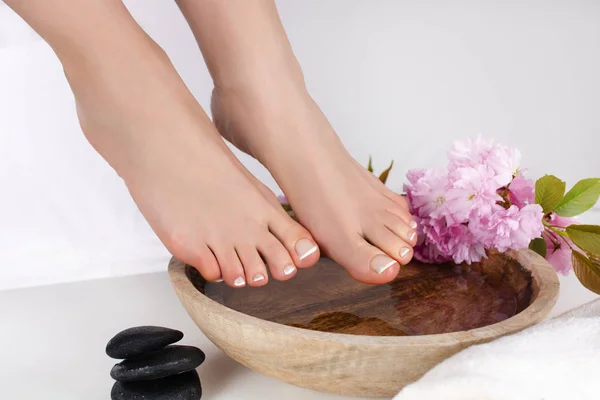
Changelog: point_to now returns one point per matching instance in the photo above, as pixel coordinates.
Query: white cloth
(556, 360)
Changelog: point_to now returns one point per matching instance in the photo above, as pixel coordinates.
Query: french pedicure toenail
(240, 281)
(305, 247)
(411, 236)
(258, 278)
(404, 252)
(413, 224)
(381, 263)
(219, 280)
(289, 270)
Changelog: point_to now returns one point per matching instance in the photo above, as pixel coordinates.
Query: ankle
(265, 75)
(266, 100)
(124, 57)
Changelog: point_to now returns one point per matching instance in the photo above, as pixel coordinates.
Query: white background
(398, 79)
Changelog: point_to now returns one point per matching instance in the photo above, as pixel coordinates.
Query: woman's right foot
(138, 114)
(356, 220)
(262, 106)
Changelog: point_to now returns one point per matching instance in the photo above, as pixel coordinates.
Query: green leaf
(370, 166)
(384, 175)
(539, 246)
(580, 198)
(586, 237)
(587, 271)
(549, 191)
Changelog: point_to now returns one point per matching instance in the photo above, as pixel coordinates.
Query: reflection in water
(423, 299)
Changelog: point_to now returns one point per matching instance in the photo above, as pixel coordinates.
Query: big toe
(365, 262)
(298, 241)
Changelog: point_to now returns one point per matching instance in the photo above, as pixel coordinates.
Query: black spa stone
(184, 386)
(165, 362)
(139, 340)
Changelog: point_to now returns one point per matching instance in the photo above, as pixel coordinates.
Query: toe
(383, 189)
(402, 213)
(277, 257)
(232, 270)
(297, 241)
(254, 266)
(400, 228)
(389, 243)
(364, 262)
(205, 262)
(396, 198)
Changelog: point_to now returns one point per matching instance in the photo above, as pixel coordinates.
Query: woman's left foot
(357, 221)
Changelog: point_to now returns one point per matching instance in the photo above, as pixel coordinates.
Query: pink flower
(429, 253)
(558, 252)
(516, 228)
(486, 227)
(441, 243)
(469, 153)
(512, 228)
(530, 226)
(521, 191)
(469, 251)
(426, 191)
(413, 176)
(503, 161)
(471, 188)
(465, 210)
(562, 222)
(559, 255)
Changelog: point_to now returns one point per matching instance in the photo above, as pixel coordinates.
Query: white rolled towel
(555, 360)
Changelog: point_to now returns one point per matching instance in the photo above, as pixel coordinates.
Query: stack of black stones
(152, 367)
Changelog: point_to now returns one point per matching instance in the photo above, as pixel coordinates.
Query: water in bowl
(422, 300)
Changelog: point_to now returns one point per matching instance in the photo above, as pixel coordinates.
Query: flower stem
(559, 230)
(555, 226)
(561, 233)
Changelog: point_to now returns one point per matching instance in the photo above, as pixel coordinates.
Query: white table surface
(52, 339)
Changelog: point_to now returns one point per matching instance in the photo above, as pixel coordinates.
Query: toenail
(258, 278)
(413, 224)
(219, 280)
(240, 281)
(411, 236)
(305, 247)
(381, 263)
(404, 252)
(289, 270)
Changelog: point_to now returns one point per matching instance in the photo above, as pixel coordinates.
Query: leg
(261, 104)
(137, 113)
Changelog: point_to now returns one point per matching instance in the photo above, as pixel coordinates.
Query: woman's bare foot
(138, 114)
(356, 220)
(261, 105)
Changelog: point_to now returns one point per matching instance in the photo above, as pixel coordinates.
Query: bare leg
(260, 104)
(138, 114)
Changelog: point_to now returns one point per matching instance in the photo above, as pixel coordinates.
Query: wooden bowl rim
(542, 274)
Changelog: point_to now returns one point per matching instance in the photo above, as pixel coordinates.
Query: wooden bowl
(324, 331)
